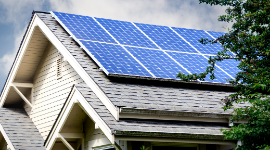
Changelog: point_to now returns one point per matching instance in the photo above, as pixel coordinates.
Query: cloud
(6, 60)
(17, 14)
(177, 13)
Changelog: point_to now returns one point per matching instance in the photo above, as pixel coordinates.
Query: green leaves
(249, 40)
(144, 148)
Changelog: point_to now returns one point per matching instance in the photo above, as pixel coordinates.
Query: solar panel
(83, 27)
(230, 66)
(193, 36)
(126, 33)
(157, 61)
(135, 49)
(115, 59)
(215, 34)
(165, 38)
(196, 63)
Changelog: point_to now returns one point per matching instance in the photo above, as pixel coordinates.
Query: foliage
(248, 41)
(144, 148)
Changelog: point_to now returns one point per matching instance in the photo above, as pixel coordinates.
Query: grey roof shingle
(20, 129)
(139, 96)
(151, 127)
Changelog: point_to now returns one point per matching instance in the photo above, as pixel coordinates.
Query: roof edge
(170, 135)
(172, 113)
(169, 80)
(76, 97)
(24, 37)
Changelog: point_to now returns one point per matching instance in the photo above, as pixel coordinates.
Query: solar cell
(83, 27)
(126, 33)
(165, 38)
(115, 59)
(230, 66)
(157, 61)
(216, 34)
(193, 36)
(196, 63)
(128, 48)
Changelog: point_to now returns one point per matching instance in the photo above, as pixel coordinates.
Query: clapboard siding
(50, 93)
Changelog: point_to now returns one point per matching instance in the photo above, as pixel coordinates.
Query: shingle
(125, 94)
(149, 126)
(20, 129)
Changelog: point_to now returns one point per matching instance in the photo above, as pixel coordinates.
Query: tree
(249, 40)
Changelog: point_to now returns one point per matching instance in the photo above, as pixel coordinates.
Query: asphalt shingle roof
(20, 129)
(154, 128)
(139, 96)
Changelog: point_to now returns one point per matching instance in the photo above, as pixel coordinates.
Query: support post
(22, 96)
(65, 142)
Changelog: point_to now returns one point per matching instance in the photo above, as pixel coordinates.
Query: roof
(20, 129)
(152, 128)
(144, 94)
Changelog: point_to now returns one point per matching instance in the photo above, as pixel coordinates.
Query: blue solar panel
(216, 34)
(160, 64)
(115, 59)
(196, 64)
(126, 33)
(165, 38)
(230, 66)
(126, 49)
(193, 37)
(84, 28)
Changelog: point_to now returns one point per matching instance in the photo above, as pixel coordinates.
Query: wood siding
(50, 93)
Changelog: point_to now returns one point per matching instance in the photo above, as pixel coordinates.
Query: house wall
(93, 137)
(50, 93)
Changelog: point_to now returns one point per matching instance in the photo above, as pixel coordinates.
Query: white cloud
(15, 14)
(177, 13)
(7, 60)
(18, 11)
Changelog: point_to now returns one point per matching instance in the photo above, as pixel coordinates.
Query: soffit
(28, 66)
(32, 57)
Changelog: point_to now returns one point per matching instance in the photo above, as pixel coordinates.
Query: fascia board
(6, 138)
(170, 135)
(149, 139)
(125, 111)
(67, 56)
(76, 97)
(18, 60)
(172, 117)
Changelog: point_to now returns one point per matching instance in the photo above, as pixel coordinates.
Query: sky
(16, 14)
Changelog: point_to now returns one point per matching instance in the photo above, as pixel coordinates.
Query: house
(83, 83)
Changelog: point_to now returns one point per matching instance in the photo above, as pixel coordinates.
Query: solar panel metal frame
(128, 75)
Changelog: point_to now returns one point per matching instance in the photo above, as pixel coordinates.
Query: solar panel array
(135, 49)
